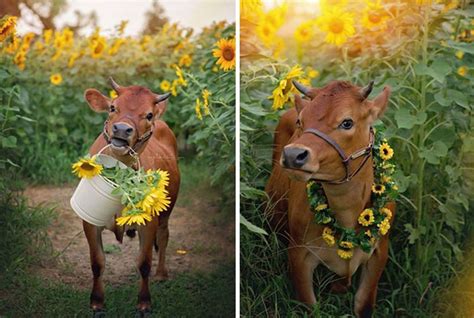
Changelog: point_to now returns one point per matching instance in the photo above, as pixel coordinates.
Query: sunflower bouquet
(142, 193)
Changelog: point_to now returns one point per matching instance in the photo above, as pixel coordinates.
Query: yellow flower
(387, 212)
(345, 254)
(165, 86)
(459, 54)
(266, 32)
(384, 226)
(86, 168)
(72, 59)
(20, 59)
(8, 27)
(131, 219)
(462, 70)
(225, 54)
(185, 60)
(395, 187)
(370, 236)
(113, 94)
(47, 36)
(250, 9)
(181, 80)
(56, 79)
(374, 16)
(304, 32)
(386, 152)
(378, 188)
(280, 95)
(321, 207)
(386, 179)
(338, 25)
(328, 236)
(309, 184)
(97, 46)
(116, 46)
(366, 218)
(174, 87)
(346, 250)
(312, 73)
(205, 97)
(197, 108)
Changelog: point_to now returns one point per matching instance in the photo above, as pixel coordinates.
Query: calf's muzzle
(295, 157)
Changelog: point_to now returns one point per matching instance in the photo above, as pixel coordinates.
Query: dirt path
(195, 227)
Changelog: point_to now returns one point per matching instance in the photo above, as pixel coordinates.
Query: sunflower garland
(374, 221)
(143, 193)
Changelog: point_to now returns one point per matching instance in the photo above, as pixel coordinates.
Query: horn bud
(365, 91)
(301, 88)
(160, 98)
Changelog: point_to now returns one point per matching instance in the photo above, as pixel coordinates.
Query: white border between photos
(237, 159)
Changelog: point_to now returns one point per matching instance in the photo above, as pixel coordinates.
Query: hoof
(143, 313)
(98, 313)
(161, 276)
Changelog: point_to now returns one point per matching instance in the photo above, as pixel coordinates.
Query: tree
(155, 18)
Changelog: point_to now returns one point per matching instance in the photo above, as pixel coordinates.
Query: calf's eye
(149, 116)
(346, 124)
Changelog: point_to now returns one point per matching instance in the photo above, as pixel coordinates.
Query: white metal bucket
(92, 200)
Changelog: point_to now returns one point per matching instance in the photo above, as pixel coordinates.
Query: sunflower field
(46, 123)
(424, 51)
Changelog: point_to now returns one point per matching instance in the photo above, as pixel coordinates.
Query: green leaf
(251, 227)
(9, 142)
(415, 233)
(405, 119)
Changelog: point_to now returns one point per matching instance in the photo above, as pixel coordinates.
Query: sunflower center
(336, 26)
(375, 17)
(87, 167)
(385, 151)
(228, 53)
(367, 217)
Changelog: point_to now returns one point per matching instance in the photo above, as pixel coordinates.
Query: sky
(189, 13)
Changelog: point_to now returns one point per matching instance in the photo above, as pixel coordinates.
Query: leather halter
(139, 143)
(367, 151)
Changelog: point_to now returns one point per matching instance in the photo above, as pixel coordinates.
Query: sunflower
(386, 179)
(366, 218)
(72, 59)
(19, 60)
(280, 95)
(56, 79)
(374, 16)
(134, 218)
(185, 60)
(304, 32)
(197, 109)
(8, 27)
(181, 81)
(338, 25)
(386, 152)
(378, 188)
(225, 54)
(87, 168)
(321, 207)
(387, 212)
(266, 32)
(384, 226)
(345, 250)
(165, 86)
(459, 54)
(97, 47)
(113, 94)
(312, 73)
(368, 233)
(462, 70)
(328, 236)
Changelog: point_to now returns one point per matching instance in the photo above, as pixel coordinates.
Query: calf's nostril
(129, 131)
(301, 157)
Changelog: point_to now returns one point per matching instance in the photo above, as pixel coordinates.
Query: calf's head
(341, 111)
(131, 114)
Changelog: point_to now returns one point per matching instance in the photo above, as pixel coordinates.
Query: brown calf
(307, 146)
(134, 123)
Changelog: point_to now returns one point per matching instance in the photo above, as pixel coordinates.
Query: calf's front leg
(302, 265)
(147, 234)
(162, 237)
(97, 257)
(370, 275)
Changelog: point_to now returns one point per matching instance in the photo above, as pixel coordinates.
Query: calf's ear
(300, 103)
(97, 102)
(161, 102)
(378, 105)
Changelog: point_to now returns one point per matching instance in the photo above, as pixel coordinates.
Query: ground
(201, 239)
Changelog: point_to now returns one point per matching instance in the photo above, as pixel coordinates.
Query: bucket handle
(132, 152)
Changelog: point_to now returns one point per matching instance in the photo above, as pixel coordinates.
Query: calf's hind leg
(162, 236)
(97, 257)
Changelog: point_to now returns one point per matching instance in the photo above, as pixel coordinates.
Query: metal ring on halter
(367, 152)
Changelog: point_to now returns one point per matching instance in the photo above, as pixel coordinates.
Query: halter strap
(367, 151)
